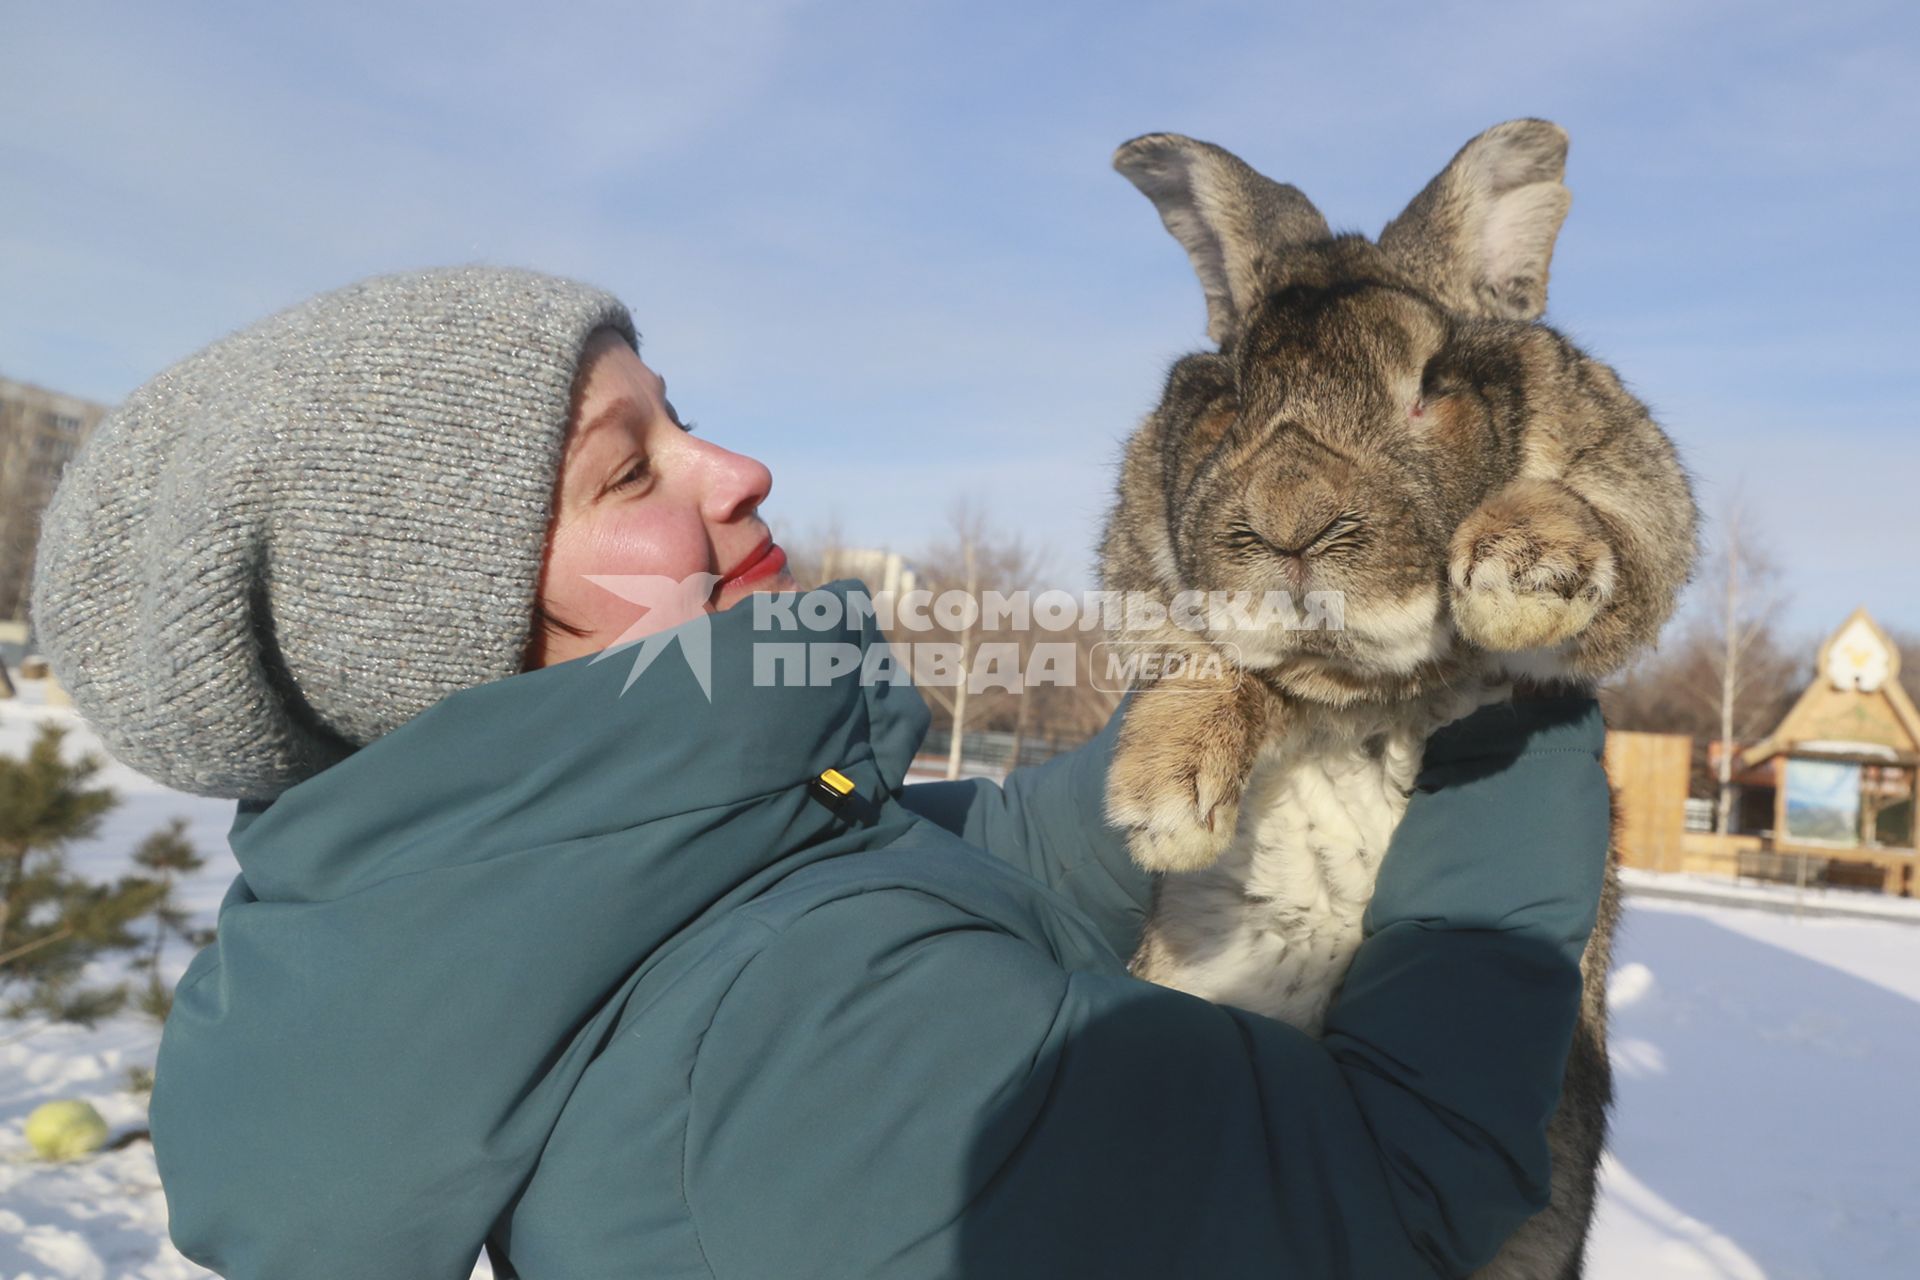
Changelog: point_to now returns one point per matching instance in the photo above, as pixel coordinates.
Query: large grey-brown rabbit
(1388, 425)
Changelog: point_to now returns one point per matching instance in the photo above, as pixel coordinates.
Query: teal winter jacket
(606, 982)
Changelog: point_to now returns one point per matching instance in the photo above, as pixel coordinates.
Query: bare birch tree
(972, 558)
(1724, 673)
(1749, 604)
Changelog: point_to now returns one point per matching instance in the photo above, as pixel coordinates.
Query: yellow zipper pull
(832, 788)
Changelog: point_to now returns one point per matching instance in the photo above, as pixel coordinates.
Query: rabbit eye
(1435, 386)
(1436, 381)
(1437, 377)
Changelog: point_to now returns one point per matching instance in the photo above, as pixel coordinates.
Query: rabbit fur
(1387, 424)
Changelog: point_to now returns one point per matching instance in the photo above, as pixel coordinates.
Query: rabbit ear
(1231, 220)
(1480, 236)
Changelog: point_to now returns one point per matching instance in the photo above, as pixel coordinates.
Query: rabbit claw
(1179, 833)
(1177, 772)
(1530, 569)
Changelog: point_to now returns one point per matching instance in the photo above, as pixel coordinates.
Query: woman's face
(650, 505)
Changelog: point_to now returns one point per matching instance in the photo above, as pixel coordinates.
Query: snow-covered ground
(1769, 1096)
(1779, 898)
(1769, 1076)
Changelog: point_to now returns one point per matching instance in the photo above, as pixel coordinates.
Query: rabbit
(1389, 424)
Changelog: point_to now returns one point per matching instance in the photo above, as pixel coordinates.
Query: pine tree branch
(58, 935)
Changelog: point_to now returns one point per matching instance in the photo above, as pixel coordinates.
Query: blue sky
(879, 246)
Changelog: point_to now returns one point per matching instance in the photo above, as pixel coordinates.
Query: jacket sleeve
(896, 1087)
(1049, 820)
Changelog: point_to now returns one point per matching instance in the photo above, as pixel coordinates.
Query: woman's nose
(737, 484)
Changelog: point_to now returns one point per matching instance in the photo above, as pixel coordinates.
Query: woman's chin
(734, 593)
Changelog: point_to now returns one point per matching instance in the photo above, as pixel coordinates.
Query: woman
(579, 960)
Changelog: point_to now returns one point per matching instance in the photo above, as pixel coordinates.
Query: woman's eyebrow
(624, 404)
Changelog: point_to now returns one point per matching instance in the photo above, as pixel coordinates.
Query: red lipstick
(764, 562)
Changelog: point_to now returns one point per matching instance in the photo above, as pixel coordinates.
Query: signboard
(1823, 801)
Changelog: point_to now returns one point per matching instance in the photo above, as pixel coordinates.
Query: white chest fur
(1272, 926)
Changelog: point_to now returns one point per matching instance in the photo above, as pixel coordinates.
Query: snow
(1768, 896)
(1767, 1069)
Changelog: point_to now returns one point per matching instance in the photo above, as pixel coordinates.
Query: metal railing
(993, 747)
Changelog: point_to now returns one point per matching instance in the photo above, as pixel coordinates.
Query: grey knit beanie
(300, 538)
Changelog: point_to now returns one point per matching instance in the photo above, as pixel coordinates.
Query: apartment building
(39, 431)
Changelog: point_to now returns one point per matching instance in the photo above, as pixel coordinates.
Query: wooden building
(1649, 776)
(1828, 797)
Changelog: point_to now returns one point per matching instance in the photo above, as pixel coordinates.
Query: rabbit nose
(1300, 546)
(1309, 520)
(1309, 510)
(1293, 566)
(1296, 557)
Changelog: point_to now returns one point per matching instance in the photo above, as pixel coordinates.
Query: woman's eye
(635, 474)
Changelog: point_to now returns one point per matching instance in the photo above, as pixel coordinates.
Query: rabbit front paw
(1175, 821)
(1177, 773)
(1530, 569)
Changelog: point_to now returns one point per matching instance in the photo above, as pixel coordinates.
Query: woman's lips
(768, 561)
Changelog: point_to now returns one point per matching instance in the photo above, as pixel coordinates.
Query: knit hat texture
(298, 539)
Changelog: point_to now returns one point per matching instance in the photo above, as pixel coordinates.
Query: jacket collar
(570, 752)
